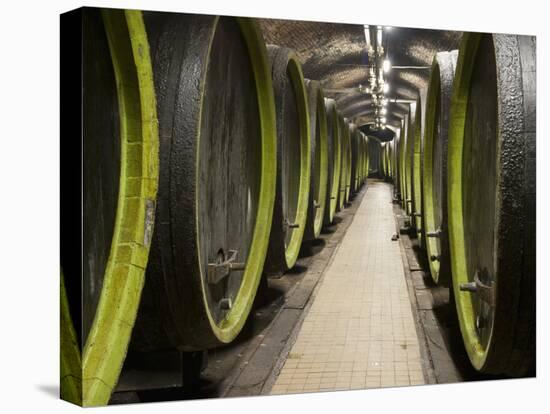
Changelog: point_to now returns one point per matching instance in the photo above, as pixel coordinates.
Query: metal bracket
(218, 271)
(288, 224)
(436, 233)
(485, 292)
(435, 258)
(415, 214)
(409, 200)
(226, 304)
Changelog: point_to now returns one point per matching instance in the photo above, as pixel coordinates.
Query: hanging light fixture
(378, 66)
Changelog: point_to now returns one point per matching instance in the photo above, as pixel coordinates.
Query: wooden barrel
(343, 162)
(335, 160)
(385, 159)
(348, 160)
(417, 166)
(396, 170)
(293, 160)
(345, 174)
(387, 173)
(391, 160)
(435, 165)
(355, 166)
(120, 177)
(402, 144)
(408, 158)
(491, 190)
(367, 156)
(364, 158)
(217, 184)
(319, 160)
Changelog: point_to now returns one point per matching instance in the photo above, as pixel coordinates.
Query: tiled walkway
(359, 332)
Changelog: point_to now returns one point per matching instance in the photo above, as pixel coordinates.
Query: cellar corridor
(359, 332)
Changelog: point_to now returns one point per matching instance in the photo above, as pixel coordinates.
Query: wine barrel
(343, 161)
(335, 160)
(396, 163)
(120, 177)
(355, 166)
(402, 144)
(345, 174)
(319, 160)
(417, 166)
(384, 166)
(386, 161)
(391, 162)
(293, 160)
(491, 191)
(408, 158)
(70, 360)
(367, 155)
(217, 184)
(434, 175)
(348, 160)
(364, 158)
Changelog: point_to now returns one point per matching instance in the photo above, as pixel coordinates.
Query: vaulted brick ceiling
(335, 54)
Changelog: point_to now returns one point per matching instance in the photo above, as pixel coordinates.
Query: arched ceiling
(335, 54)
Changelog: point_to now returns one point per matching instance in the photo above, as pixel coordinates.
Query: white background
(29, 206)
